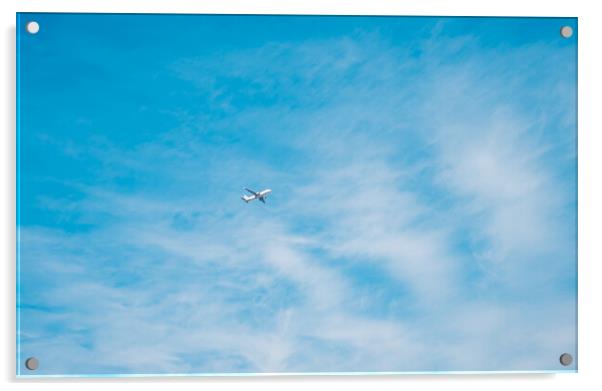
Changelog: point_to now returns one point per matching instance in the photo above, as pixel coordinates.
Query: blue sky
(424, 194)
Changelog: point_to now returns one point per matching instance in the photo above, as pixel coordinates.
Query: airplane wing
(251, 191)
(262, 199)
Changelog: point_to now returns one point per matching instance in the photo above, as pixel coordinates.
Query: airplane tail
(245, 199)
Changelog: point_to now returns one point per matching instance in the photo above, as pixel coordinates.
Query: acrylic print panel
(422, 213)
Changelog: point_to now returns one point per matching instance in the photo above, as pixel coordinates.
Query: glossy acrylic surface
(423, 207)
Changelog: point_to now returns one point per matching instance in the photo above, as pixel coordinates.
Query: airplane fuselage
(256, 195)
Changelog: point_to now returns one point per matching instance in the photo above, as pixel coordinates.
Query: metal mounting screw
(32, 363)
(566, 359)
(32, 27)
(566, 31)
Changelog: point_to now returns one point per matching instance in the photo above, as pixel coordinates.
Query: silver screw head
(32, 363)
(32, 27)
(566, 359)
(566, 31)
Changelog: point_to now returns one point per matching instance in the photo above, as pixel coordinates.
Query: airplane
(257, 195)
